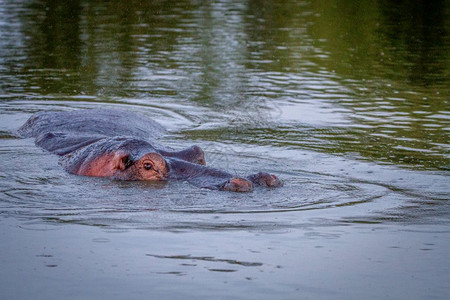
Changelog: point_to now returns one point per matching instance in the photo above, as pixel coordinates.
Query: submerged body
(122, 145)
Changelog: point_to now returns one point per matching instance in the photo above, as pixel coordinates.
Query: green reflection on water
(384, 66)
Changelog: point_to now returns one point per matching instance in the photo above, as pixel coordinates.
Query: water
(347, 102)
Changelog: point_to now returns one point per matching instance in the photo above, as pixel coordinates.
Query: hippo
(123, 145)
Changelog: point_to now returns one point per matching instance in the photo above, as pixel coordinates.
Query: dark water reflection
(347, 101)
(378, 73)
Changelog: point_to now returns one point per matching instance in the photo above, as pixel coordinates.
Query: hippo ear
(122, 160)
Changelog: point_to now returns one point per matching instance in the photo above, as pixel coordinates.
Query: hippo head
(126, 158)
(118, 164)
(150, 166)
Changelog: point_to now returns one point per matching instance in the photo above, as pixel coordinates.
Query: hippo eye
(148, 166)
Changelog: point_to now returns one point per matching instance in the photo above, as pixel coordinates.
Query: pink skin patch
(104, 166)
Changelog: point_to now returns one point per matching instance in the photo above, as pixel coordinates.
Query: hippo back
(94, 122)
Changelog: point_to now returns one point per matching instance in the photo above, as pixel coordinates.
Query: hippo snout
(237, 184)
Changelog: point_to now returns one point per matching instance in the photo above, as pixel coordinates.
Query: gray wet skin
(122, 145)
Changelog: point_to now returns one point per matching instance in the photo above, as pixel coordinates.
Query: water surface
(347, 102)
